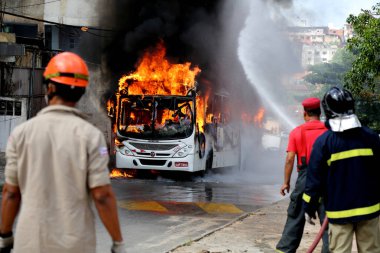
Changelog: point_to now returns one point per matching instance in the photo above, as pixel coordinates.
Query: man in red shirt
(301, 140)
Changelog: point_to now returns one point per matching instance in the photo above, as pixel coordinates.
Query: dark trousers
(295, 223)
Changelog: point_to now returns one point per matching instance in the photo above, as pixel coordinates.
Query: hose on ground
(319, 236)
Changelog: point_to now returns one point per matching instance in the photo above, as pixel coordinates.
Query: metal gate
(12, 113)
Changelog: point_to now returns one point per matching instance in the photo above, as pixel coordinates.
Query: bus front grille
(153, 146)
(152, 162)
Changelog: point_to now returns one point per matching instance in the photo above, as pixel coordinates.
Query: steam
(267, 58)
(260, 58)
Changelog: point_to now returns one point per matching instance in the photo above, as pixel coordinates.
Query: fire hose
(319, 236)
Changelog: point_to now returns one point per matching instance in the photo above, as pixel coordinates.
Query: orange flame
(111, 111)
(115, 173)
(258, 118)
(156, 76)
(202, 103)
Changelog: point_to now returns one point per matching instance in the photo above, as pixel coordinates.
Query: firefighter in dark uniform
(344, 171)
(301, 140)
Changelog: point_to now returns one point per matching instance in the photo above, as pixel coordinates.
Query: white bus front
(158, 133)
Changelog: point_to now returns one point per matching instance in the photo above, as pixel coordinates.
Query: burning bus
(162, 121)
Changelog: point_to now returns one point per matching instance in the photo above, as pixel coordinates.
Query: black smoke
(196, 31)
(189, 29)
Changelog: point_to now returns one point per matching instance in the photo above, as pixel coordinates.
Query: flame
(117, 142)
(111, 111)
(116, 173)
(156, 76)
(201, 103)
(258, 118)
(132, 115)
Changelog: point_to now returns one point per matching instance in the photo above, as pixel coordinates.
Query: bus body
(161, 132)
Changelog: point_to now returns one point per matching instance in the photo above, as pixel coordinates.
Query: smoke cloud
(240, 47)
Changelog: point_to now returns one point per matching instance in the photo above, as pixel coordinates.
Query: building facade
(33, 31)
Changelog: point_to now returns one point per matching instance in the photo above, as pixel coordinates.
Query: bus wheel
(202, 145)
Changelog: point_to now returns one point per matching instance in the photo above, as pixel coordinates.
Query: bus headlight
(182, 152)
(124, 150)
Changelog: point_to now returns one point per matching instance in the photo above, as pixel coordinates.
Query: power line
(51, 22)
(21, 6)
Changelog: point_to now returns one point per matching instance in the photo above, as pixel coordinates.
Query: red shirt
(312, 129)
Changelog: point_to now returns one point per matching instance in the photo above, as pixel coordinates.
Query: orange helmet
(67, 68)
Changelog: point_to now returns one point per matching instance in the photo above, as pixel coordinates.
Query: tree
(331, 74)
(363, 78)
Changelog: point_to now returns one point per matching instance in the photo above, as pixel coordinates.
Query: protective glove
(6, 242)
(309, 218)
(118, 247)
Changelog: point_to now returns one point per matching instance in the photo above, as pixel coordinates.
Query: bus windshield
(156, 117)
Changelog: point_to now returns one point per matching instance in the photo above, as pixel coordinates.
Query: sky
(329, 12)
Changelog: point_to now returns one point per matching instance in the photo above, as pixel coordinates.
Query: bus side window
(2, 107)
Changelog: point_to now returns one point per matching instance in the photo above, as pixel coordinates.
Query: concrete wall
(26, 8)
(93, 105)
(73, 12)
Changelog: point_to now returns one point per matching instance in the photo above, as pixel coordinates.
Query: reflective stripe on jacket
(343, 170)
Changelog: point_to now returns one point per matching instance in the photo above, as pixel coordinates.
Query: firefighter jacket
(344, 171)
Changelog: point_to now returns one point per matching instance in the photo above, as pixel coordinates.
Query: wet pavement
(158, 214)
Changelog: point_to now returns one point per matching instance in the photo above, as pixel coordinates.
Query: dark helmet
(338, 102)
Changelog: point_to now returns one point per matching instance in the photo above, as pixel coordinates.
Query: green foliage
(365, 45)
(331, 74)
(344, 57)
(368, 112)
(364, 77)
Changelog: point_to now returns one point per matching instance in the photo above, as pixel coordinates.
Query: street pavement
(254, 232)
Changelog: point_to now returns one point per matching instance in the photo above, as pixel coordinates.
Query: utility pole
(2, 8)
(31, 85)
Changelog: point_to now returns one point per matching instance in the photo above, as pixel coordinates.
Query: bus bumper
(147, 163)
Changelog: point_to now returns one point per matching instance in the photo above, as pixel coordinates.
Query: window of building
(324, 52)
(316, 52)
(324, 59)
(9, 108)
(17, 108)
(72, 43)
(3, 107)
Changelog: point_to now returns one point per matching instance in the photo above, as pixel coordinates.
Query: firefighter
(344, 171)
(56, 165)
(300, 142)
